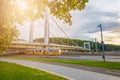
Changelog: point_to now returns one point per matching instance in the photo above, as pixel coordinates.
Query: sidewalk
(70, 73)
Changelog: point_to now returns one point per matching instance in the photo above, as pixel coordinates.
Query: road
(108, 58)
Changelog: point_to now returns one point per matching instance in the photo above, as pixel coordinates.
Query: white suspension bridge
(47, 42)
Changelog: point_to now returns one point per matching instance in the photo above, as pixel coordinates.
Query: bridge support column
(31, 32)
(46, 32)
(87, 45)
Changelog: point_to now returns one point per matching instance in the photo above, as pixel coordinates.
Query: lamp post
(102, 42)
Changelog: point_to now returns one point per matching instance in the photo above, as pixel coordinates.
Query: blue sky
(105, 12)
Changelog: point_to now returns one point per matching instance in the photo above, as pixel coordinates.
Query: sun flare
(22, 4)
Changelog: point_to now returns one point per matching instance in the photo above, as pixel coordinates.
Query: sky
(84, 23)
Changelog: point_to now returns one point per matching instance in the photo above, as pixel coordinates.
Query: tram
(45, 51)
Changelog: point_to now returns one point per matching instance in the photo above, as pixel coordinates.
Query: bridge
(19, 45)
(46, 43)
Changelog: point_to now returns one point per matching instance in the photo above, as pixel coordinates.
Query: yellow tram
(45, 51)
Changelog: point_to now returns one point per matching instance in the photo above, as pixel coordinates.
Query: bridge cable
(51, 33)
(63, 30)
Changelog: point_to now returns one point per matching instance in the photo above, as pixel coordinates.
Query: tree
(8, 31)
(11, 13)
(58, 8)
(7, 34)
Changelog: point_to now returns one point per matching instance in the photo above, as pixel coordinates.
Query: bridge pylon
(46, 30)
(31, 32)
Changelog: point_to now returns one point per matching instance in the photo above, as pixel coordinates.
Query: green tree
(11, 13)
(59, 8)
(8, 31)
(7, 34)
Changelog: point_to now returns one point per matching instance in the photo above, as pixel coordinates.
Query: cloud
(105, 12)
(97, 12)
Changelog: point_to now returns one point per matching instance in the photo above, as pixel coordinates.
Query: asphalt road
(108, 58)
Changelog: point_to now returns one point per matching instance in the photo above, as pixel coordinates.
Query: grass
(11, 71)
(100, 64)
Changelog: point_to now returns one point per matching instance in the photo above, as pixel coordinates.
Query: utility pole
(102, 42)
(96, 47)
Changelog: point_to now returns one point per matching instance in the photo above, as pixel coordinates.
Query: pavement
(67, 72)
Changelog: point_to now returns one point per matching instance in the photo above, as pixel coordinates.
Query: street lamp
(102, 42)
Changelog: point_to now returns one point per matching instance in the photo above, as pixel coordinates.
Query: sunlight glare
(22, 4)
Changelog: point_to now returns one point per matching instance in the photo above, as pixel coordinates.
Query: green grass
(11, 71)
(100, 64)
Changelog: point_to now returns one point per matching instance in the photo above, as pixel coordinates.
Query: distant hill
(66, 41)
